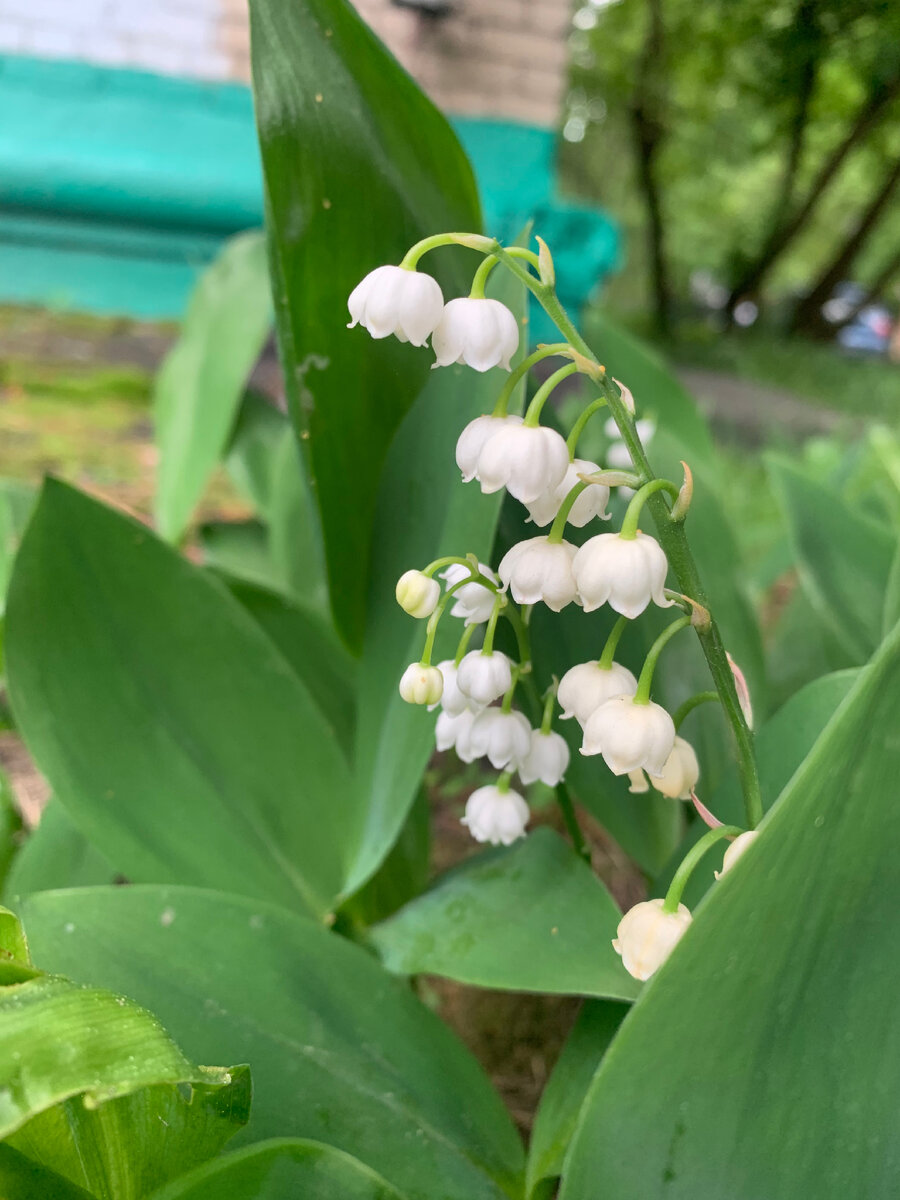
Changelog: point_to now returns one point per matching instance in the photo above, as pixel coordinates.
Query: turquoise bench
(117, 187)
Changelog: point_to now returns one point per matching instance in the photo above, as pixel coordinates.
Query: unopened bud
(421, 684)
(418, 594)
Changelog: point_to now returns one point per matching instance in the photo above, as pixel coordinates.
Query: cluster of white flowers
(477, 689)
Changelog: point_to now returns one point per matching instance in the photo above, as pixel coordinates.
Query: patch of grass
(821, 374)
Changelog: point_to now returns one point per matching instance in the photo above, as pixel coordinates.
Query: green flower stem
(506, 705)
(690, 704)
(518, 372)
(578, 427)
(435, 618)
(474, 241)
(558, 528)
(671, 537)
(633, 513)
(645, 682)
(476, 292)
(503, 781)
(690, 861)
(488, 645)
(464, 644)
(612, 643)
(549, 706)
(567, 808)
(533, 415)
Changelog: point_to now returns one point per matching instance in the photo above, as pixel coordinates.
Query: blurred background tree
(752, 151)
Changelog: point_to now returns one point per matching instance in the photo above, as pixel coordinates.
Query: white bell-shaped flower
(452, 699)
(480, 333)
(504, 738)
(626, 572)
(525, 459)
(417, 593)
(473, 439)
(452, 731)
(647, 936)
(680, 772)
(396, 300)
(421, 684)
(496, 816)
(630, 735)
(538, 569)
(591, 503)
(586, 686)
(484, 677)
(741, 843)
(473, 602)
(547, 759)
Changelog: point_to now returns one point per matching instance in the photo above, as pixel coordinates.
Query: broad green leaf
(280, 1169)
(357, 165)
(16, 501)
(22, 1179)
(891, 613)
(843, 557)
(167, 722)
(199, 386)
(562, 1098)
(402, 875)
(295, 535)
(240, 550)
(258, 432)
(55, 855)
(428, 513)
(531, 918)
(11, 829)
(124, 1148)
(759, 1062)
(312, 648)
(339, 1049)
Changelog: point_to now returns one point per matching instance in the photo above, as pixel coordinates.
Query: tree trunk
(874, 291)
(808, 318)
(648, 134)
(784, 233)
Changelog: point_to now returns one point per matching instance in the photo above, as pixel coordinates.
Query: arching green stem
(567, 808)
(506, 705)
(583, 418)
(690, 861)
(645, 682)
(638, 500)
(549, 707)
(476, 292)
(464, 644)
(612, 642)
(503, 781)
(520, 371)
(435, 618)
(533, 415)
(474, 241)
(558, 528)
(488, 645)
(690, 704)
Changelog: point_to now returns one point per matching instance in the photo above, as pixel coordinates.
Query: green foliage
(358, 165)
(341, 1052)
(200, 385)
(55, 855)
(531, 918)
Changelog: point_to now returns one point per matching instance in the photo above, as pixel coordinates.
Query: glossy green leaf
(530, 918)
(780, 1073)
(55, 855)
(16, 501)
(199, 386)
(562, 1098)
(257, 434)
(428, 513)
(280, 1169)
(312, 648)
(358, 165)
(843, 558)
(22, 1179)
(126, 1147)
(295, 535)
(240, 550)
(339, 1050)
(165, 719)
(403, 874)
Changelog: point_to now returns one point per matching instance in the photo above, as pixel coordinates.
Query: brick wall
(498, 58)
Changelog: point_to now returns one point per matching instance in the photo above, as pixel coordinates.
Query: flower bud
(626, 572)
(525, 459)
(647, 936)
(484, 677)
(452, 700)
(480, 333)
(396, 300)
(452, 731)
(495, 816)
(417, 593)
(736, 849)
(503, 738)
(630, 735)
(421, 684)
(591, 503)
(627, 398)
(680, 772)
(473, 602)
(547, 759)
(743, 691)
(473, 438)
(538, 569)
(586, 686)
